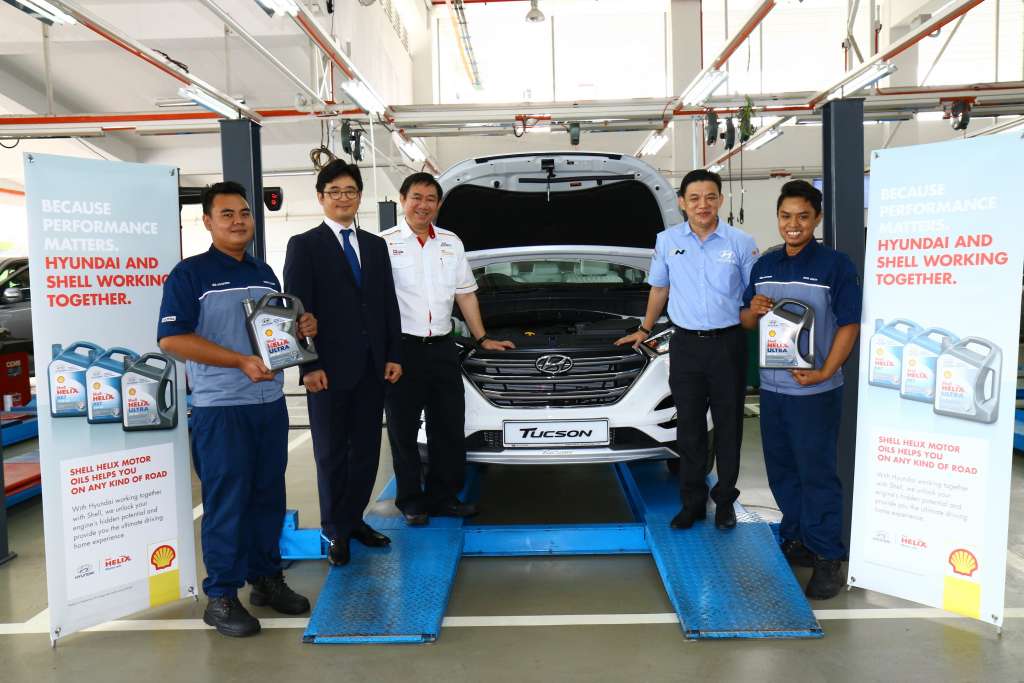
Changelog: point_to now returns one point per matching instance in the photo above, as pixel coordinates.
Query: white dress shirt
(337, 227)
(427, 278)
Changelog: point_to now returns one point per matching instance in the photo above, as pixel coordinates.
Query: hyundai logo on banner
(554, 364)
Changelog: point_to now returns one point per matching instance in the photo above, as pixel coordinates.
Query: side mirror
(13, 295)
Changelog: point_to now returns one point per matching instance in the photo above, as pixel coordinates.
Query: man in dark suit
(342, 275)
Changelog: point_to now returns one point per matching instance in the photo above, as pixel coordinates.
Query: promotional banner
(113, 435)
(939, 340)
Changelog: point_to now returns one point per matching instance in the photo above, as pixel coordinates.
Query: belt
(427, 340)
(707, 333)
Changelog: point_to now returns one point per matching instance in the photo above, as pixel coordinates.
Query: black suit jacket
(350, 319)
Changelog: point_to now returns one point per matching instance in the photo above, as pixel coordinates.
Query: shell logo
(963, 562)
(913, 362)
(947, 374)
(879, 351)
(95, 385)
(162, 557)
(132, 392)
(529, 333)
(269, 333)
(771, 333)
(60, 379)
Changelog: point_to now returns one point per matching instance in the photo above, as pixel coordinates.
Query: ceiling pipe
(129, 44)
(240, 31)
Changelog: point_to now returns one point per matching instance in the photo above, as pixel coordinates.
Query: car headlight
(659, 343)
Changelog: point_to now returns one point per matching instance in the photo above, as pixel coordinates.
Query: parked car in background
(560, 245)
(15, 306)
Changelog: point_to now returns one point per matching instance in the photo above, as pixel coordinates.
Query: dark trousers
(799, 435)
(346, 446)
(708, 372)
(431, 383)
(240, 454)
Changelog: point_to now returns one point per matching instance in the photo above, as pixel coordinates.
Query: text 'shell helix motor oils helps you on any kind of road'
(917, 377)
(273, 326)
(967, 376)
(103, 382)
(68, 393)
(787, 335)
(148, 393)
(886, 351)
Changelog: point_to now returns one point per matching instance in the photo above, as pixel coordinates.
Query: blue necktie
(350, 254)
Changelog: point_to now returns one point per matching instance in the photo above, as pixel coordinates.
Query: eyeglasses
(335, 193)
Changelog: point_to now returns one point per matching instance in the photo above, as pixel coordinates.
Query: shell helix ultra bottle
(787, 335)
(68, 395)
(886, 366)
(273, 326)
(149, 398)
(103, 385)
(967, 376)
(917, 376)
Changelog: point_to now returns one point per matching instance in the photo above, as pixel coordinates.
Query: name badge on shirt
(726, 256)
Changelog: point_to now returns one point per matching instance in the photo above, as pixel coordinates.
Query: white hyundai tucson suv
(560, 245)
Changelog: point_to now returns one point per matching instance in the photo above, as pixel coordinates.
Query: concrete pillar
(684, 62)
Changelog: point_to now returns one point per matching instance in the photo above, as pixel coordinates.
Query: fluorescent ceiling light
(930, 115)
(869, 77)
(653, 145)
(46, 11)
(280, 7)
(52, 131)
(700, 90)
(361, 94)
(759, 142)
(715, 168)
(208, 101)
(409, 147)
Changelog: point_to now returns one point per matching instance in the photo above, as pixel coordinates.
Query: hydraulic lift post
(5, 552)
(242, 162)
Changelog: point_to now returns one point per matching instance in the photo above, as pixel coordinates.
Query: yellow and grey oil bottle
(886, 351)
(67, 381)
(917, 375)
(103, 379)
(967, 375)
(148, 393)
(273, 327)
(787, 336)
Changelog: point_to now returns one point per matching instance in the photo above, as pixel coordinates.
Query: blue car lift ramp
(722, 584)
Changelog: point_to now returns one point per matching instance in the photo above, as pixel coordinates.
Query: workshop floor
(535, 610)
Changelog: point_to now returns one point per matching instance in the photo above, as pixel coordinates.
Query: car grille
(512, 379)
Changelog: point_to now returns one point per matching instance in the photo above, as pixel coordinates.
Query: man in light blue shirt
(700, 269)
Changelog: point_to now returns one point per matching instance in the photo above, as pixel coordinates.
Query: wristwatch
(482, 339)
(643, 329)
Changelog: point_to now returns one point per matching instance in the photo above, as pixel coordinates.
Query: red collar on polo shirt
(430, 234)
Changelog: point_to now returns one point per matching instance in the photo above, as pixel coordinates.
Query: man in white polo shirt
(431, 274)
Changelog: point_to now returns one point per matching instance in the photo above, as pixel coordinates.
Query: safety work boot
(230, 618)
(272, 591)
(797, 553)
(826, 580)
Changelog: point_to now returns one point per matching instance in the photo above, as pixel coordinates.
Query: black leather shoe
(686, 519)
(272, 591)
(227, 615)
(369, 536)
(725, 516)
(796, 553)
(338, 553)
(456, 508)
(827, 579)
(416, 518)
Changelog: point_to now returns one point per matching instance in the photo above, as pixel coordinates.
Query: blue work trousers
(240, 454)
(799, 435)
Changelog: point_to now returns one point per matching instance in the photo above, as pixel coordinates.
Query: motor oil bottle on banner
(787, 335)
(886, 351)
(273, 326)
(967, 376)
(68, 394)
(148, 393)
(103, 382)
(917, 376)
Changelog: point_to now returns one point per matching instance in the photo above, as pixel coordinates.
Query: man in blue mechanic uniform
(239, 423)
(700, 269)
(800, 409)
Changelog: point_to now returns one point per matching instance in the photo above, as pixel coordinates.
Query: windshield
(519, 274)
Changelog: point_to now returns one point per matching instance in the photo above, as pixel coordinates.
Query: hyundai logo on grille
(554, 364)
